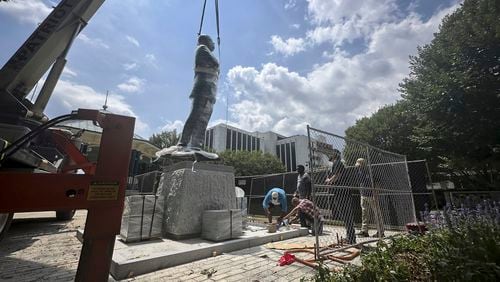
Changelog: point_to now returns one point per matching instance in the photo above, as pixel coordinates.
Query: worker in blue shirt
(275, 197)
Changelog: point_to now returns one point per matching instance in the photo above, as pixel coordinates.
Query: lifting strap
(216, 19)
(202, 17)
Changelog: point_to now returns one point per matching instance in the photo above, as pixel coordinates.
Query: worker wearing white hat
(275, 197)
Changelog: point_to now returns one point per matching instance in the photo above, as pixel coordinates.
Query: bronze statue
(203, 95)
(206, 74)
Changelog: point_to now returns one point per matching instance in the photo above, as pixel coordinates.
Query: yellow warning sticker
(103, 191)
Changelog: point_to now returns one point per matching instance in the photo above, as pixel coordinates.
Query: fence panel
(420, 178)
(357, 185)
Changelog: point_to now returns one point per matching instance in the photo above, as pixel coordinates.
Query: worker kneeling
(305, 210)
(275, 197)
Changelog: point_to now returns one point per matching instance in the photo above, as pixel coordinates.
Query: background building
(292, 150)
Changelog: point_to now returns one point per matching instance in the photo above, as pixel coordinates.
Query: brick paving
(43, 249)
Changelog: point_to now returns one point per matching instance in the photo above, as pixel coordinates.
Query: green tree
(390, 128)
(165, 139)
(251, 163)
(449, 112)
(454, 91)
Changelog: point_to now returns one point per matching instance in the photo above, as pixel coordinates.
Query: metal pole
(313, 194)
(377, 213)
(251, 195)
(409, 183)
(432, 186)
(53, 77)
(283, 181)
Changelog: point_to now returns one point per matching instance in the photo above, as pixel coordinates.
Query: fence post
(283, 181)
(411, 191)
(432, 185)
(313, 194)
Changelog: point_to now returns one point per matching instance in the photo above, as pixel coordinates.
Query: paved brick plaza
(39, 248)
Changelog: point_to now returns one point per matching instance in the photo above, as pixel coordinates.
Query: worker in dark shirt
(303, 184)
(342, 199)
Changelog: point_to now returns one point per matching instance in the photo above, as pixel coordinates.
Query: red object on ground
(286, 259)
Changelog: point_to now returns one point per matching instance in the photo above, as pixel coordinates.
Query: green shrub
(468, 252)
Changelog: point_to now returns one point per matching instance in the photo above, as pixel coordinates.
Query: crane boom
(48, 42)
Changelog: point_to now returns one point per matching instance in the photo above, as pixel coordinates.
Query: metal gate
(356, 185)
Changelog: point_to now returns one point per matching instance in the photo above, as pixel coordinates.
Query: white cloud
(290, 4)
(133, 40)
(336, 93)
(287, 47)
(26, 11)
(132, 85)
(173, 125)
(333, 12)
(223, 121)
(94, 42)
(151, 58)
(344, 20)
(340, 21)
(69, 96)
(69, 72)
(296, 26)
(129, 66)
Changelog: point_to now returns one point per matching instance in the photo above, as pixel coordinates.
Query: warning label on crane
(103, 190)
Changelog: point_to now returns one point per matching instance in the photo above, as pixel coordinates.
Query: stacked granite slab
(189, 190)
(220, 225)
(142, 218)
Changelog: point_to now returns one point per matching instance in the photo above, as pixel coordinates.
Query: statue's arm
(205, 58)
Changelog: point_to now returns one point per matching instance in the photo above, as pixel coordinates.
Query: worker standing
(303, 184)
(274, 198)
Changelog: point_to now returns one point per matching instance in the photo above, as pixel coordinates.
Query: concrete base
(189, 189)
(139, 258)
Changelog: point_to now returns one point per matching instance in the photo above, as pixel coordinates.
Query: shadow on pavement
(14, 269)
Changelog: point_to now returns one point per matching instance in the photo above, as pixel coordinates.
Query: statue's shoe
(205, 156)
(169, 151)
(177, 151)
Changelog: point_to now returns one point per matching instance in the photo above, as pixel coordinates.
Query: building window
(282, 154)
(258, 144)
(278, 151)
(206, 138)
(233, 140)
(253, 143)
(288, 159)
(244, 142)
(239, 141)
(294, 157)
(211, 142)
(228, 139)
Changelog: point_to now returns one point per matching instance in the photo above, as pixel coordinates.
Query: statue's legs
(196, 124)
(198, 138)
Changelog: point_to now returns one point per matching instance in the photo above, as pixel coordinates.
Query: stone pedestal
(188, 191)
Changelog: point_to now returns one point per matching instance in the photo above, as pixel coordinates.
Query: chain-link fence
(357, 185)
(146, 183)
(421, 181)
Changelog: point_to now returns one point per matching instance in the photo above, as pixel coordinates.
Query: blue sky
(284, 63)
